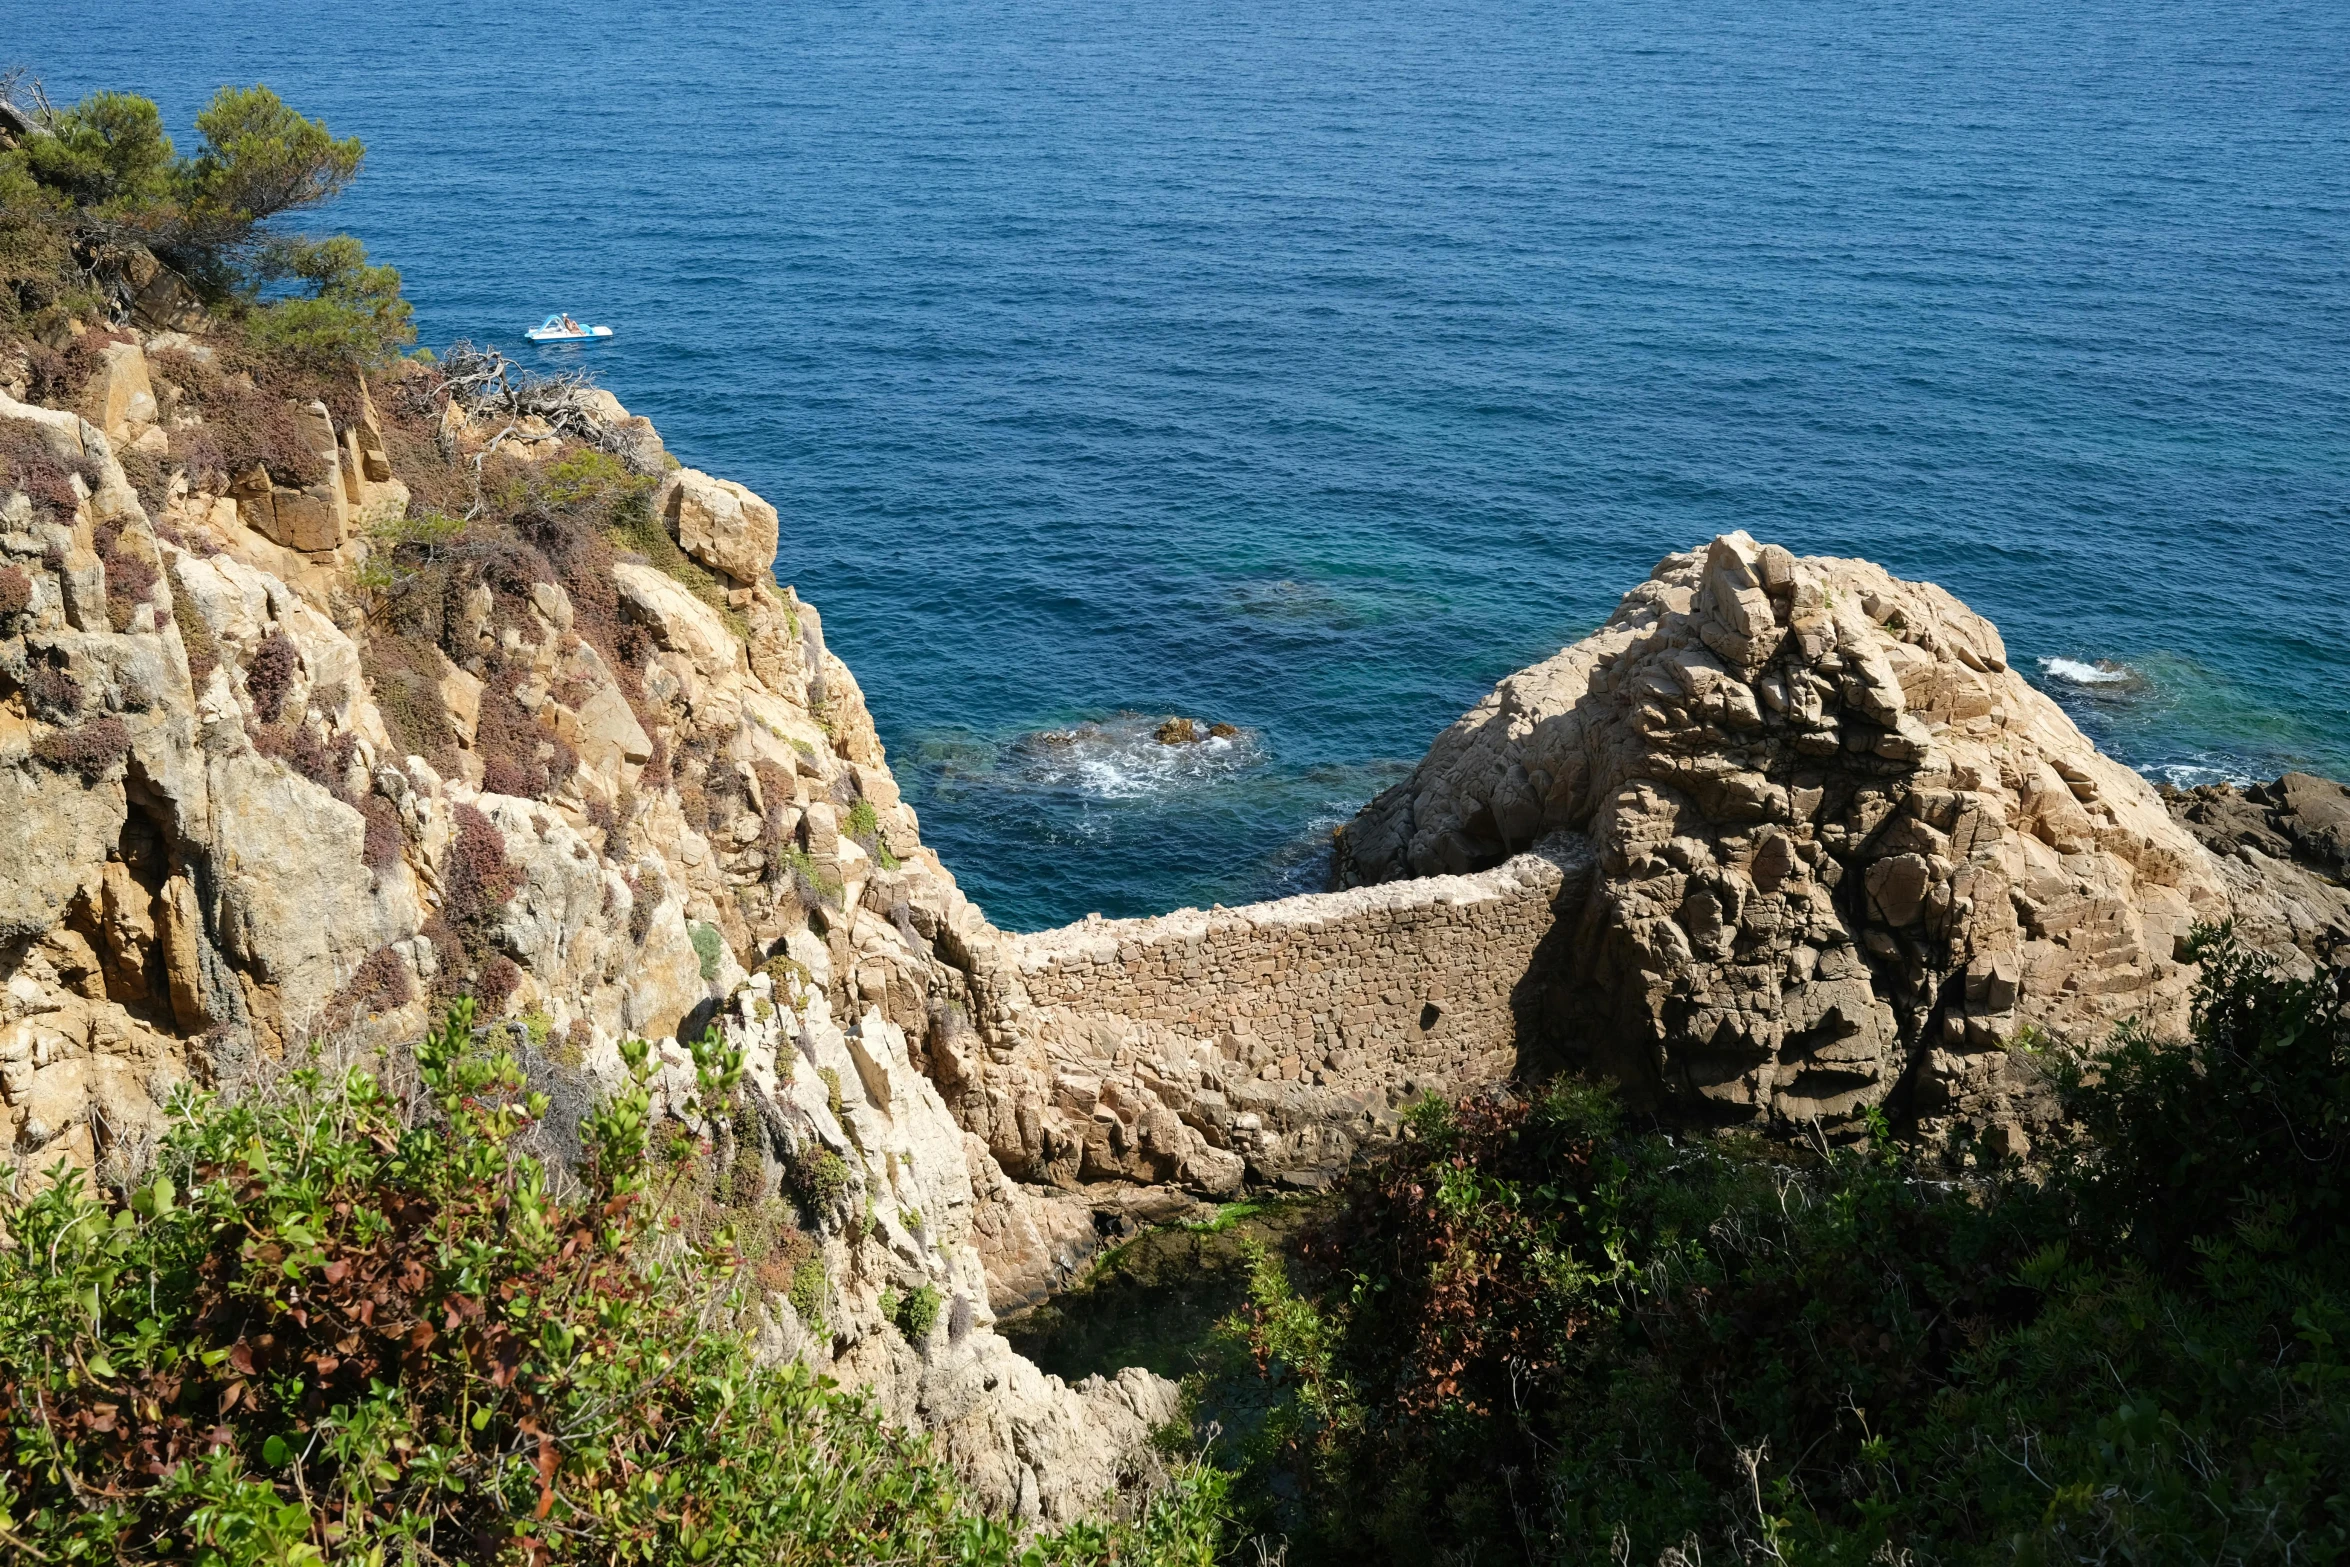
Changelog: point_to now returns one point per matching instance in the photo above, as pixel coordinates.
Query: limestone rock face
(1033, 1446)
(684, 625)
(719, 523)
(1843, 851)
(55, 829)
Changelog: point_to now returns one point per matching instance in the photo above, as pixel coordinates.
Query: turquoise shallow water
(1310, 367)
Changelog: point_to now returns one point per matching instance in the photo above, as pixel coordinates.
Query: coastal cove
(1213, 360)
(1452, 786)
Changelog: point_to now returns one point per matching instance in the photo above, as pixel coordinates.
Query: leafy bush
(808, 1286)
(345, 312)
(106, 152)
(342, 1323)
(709, 946)
(917, 1314)
(1540, 1331)
(817, 1177)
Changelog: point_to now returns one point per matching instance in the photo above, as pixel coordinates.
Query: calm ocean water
(1310, 367)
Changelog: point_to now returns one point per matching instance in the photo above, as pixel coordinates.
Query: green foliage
(816, 884)
(36, 234)
(831, 1080)
(584, 479)
(1543, 1332)
(709, 946)
(864, 825)
(261, 158)
(817, 1177)
(786, 971)
(808, 1287)
(914, 1314)
(107, 176)
(336, 1325)
(342, 311)
(108, 150)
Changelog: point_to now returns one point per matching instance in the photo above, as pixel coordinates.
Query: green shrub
(592, 482)
(1543, 1331)
(344, 311)
(709, 946)
(864, 825)
(336, 1324)
(816, 886)
(746, 1177)
(916, 1314)
(808, 1287)
(818, 1177)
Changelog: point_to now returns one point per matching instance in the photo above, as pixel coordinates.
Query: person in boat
(569, 325)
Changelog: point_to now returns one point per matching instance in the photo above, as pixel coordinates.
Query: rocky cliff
(320, 705)
(284, 757)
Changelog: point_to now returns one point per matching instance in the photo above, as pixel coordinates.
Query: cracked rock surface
(1841, 855)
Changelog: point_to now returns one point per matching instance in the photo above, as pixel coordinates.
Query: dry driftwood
(484, 384)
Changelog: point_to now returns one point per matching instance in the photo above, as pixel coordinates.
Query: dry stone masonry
(1266, 1043)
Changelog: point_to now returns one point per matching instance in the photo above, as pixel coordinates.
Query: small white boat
(560, 328)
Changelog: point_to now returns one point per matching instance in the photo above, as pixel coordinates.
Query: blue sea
(1308, 367)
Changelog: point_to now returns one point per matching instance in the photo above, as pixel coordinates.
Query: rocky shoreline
(1785, 842)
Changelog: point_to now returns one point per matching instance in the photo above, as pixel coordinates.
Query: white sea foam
(2193, 775)
(2074, 672)
(1122, 758)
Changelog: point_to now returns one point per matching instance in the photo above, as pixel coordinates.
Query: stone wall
(1270, 1042)
(1390, 984)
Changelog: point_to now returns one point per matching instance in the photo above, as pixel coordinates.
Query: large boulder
(120, 399)
(1845, 854)
(719, 523)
